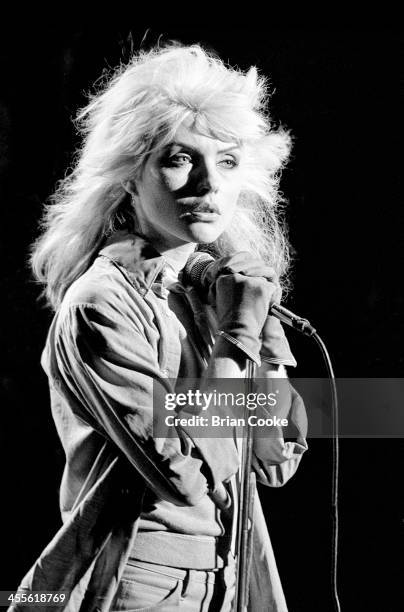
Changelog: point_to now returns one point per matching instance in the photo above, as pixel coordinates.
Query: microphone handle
(288, 317)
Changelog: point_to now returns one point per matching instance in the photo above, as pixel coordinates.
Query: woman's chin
(202, 233)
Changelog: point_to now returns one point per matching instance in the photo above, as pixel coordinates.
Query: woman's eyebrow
(234, 147)
(184, 145)
(181, 145)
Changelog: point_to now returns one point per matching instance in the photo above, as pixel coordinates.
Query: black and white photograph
(202, 383)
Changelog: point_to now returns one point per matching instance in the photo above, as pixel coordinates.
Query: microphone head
(194, 270)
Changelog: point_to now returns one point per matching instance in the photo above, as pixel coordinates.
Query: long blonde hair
(139, 109)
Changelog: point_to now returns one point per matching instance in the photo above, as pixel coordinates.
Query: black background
(337, 91)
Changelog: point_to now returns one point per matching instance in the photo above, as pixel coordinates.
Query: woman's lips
(200, 216)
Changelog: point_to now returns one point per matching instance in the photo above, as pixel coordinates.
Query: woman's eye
(229, 162)
(180, 159)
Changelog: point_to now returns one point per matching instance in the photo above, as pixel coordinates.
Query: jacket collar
(143, 265)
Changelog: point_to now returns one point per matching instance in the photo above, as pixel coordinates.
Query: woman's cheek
(174, 179)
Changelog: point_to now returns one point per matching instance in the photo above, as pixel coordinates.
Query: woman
(177, 155)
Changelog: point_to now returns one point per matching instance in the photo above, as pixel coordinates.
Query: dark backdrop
(337, 91)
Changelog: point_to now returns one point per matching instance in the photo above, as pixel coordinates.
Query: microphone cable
(335, 469)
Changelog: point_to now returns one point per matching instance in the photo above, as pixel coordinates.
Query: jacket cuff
(250, 354)
(279, 361)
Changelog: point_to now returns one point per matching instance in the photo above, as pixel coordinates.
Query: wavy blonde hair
(137, 110)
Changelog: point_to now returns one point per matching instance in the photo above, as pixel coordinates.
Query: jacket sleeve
(110, 374)
(274, 459)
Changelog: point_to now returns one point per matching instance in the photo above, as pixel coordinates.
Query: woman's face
(188, 190)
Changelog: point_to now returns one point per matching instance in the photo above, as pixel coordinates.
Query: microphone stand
(246, 503)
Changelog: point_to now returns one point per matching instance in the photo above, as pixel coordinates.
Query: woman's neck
(176, 254)
(177, 257)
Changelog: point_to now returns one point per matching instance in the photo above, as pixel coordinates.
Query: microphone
(194, 274)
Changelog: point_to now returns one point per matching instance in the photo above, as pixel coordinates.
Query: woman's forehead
(191, 137)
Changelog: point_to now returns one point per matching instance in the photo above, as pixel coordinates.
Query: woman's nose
(207, 180)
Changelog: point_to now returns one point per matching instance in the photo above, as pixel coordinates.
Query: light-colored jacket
(112, 338)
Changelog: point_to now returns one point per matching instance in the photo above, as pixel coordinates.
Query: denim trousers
(149, 587)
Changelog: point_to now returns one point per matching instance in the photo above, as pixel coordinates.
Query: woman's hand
(243, 263)
(241, 289)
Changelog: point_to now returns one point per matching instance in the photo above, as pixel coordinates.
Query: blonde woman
(177, 155)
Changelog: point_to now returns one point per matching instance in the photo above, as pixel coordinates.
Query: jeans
(148, 587)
